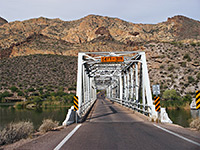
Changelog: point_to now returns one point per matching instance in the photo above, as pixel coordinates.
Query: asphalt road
(112, 127)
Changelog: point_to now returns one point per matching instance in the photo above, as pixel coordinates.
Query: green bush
(31, 90)
(183, 64)
(171, 95)
(72, 88)
(171, 67)
(37, 100)
(5, 94)
(14, 89)
(187, 98)
(20, 93)
(198, 76)
(193, 44)
(187, 56)
(19, 105)
(190, 79)
(162, 66)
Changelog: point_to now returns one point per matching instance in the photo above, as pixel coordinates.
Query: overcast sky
(136, 11)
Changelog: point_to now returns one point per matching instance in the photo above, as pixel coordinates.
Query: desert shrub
(14, 89)
(171, 67)
(20, 93)
(195, 124)
(31, 90)
(188, 98)
(5, 94)
(162, 66)
(193, 44)
(47, 125)
(19, 105)
(187, 56)
(71, 88)
(190, 79)
(198, 76)
(171, 95)
(15, 131)
(183, 64)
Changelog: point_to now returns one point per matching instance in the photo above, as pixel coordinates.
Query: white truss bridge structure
(125, 82)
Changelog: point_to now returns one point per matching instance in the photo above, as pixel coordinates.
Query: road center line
(67, 137)
(186, 139)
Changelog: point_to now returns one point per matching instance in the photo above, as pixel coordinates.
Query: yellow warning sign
(197, 99)
(112, 59)
(157, 103)
(75, 103)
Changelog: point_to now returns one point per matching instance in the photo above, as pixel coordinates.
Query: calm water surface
(9, 114)
(183, 117)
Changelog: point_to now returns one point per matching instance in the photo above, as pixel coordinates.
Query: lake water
(183, 117)
(9, 114)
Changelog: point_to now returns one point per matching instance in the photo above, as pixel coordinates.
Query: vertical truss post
(89, 88)
(147, 83)
(121, 88)
(128, 87)
(125, 87)
(116, 91)
(84, 88)
(80, 80)
(143, 87)
(136, 83)
(118, 88)
(109, 91)
(132, 82)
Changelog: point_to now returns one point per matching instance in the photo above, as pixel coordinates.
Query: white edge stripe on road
(177, 135)
(67, 137)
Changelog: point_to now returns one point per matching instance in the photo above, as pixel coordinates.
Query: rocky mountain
(48, 72)
(3, 21)
(172, 48)
(91, 33)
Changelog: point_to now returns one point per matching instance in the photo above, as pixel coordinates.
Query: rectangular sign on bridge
(112, 59)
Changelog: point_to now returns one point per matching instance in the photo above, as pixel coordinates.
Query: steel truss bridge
(125, 82)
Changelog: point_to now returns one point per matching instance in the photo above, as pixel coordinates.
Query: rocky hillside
(91, 33)
(174, 66)
(38, 71)
(3, 21)
(172, 48)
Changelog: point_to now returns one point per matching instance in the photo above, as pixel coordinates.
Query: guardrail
(85, 107)
(83, 111)
(145, 109)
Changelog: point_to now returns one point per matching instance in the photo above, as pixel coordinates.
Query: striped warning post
(197, 99)
(75, 103)
(157, 103)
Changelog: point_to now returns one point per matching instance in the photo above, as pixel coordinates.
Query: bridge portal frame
(126, 83)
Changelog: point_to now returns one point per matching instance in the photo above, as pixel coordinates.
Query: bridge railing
(145, 109)
(85, 107)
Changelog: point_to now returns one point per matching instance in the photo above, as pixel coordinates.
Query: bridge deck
(112, 127)
(105, 111)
